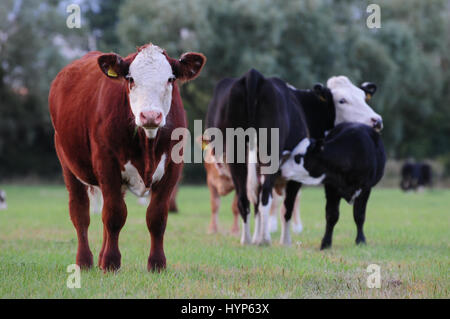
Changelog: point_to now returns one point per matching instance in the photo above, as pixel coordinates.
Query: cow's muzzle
(377, 124)
(150, 119)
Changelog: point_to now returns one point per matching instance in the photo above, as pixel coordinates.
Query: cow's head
(350, 102)
(151, 74)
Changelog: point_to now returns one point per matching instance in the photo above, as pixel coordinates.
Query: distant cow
(3, 204)
(350, 160)
(113, 119)
(415, 176)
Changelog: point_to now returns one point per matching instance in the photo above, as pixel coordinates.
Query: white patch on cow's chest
(134, 181)
(355, 196)
(159, 172)
(291, 170)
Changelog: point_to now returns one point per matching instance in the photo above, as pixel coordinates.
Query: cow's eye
(342, 101)
(171, 79)
(130, 82)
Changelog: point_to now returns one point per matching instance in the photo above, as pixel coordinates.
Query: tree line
(302, 42)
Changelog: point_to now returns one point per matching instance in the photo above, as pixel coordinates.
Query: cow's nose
(151, 119)
(377, 123)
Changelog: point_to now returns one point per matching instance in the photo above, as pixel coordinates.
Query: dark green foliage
(303, 42)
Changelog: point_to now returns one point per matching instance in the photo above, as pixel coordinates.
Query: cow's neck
(319, 115)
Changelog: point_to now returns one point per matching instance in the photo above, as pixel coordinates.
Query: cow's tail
(252, 80)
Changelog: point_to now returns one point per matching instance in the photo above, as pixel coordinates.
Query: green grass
(407, 234)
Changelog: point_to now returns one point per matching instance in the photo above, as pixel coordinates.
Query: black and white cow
(254, 101)
(3, 204)
(416, 176)
(350, 160)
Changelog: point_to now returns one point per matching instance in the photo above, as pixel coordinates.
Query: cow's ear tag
(322, 98)
(112, 73)
(368, 96)
(204, 145)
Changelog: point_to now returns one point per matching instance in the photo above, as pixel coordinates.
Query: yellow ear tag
(322, 98)
(204, 145)
(112, 73)
(368, 97)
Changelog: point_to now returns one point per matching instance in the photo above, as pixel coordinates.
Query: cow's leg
(79, 214)
(173, 208)
(332, 215)
(239, 175)
(114, 215)
(156, 222)
(258, 227)
(274, 209)
(100, 255)
(359, 215)
(156, 217)
(235, 208)
(297, 226)
(292, 189)
(215, 206)
(265, 203)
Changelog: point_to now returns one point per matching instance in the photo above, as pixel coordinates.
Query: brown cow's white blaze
(151, 89)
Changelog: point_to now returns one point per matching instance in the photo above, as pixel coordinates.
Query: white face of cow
(350, 103)
(151, 85)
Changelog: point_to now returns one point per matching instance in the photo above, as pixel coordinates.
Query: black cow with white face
(254, 101)
(416, 176)
(324, 107)
(350, 160)
(3, 204)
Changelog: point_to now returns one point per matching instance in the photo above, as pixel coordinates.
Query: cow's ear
(369, 88)
(112, 65)
(189, 65)
(320, 90)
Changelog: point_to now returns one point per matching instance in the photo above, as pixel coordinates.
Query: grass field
(408, 237)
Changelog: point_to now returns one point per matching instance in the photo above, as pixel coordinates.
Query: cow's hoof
(110, 262)
(235, 231)
(265, 242)
(245, 241)
(262, 242)
(156, 264)
(285, 242)
(360, 241)
(325, 245)
(85, 261)
(213, 230)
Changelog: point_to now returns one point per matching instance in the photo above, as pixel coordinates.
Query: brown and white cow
(113, 118)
